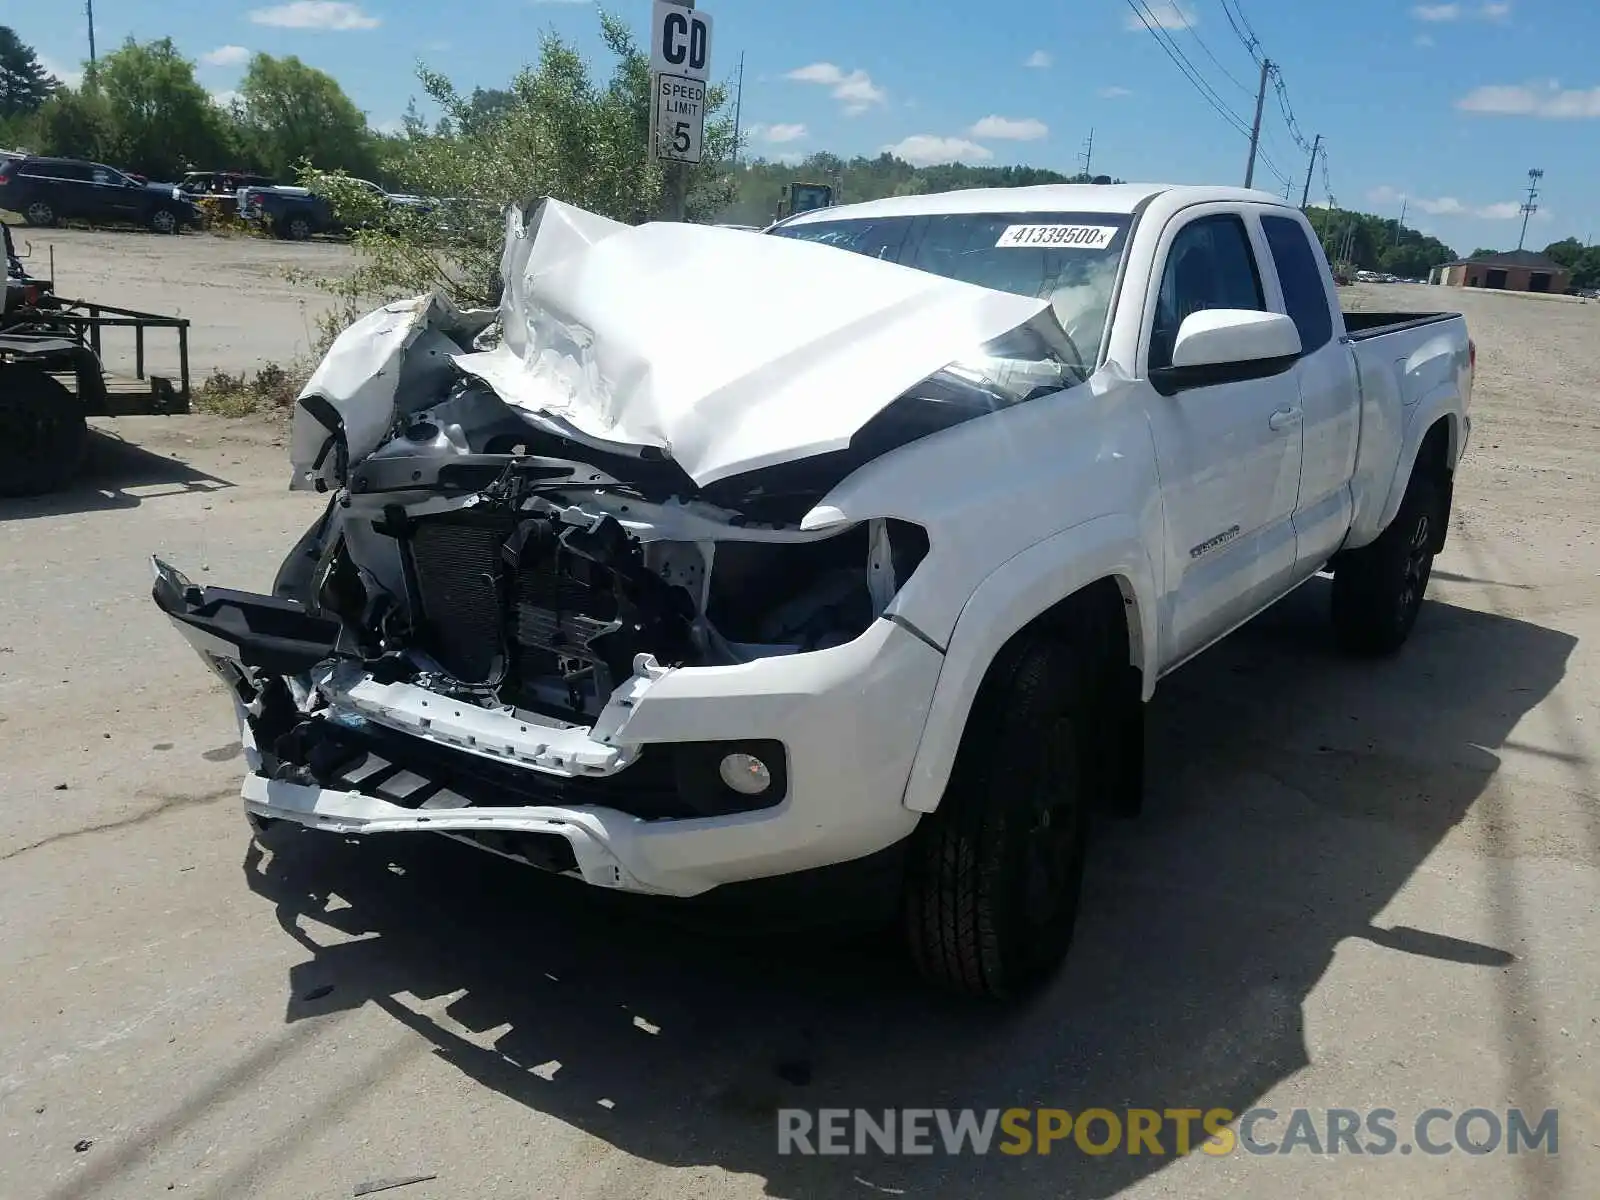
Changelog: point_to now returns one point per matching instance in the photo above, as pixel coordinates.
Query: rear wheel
(42, 433)
(40, 212)
(1378, 590)
(994, 875)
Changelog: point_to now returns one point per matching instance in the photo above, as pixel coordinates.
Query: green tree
(24, 84)
(1583, 261)
(293, 113)
(555, 131)
(163, 121)
(77, 123)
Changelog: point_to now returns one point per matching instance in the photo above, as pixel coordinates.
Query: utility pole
(738, 111)
(1255, 130)
(1528, 209)
(1400, 224)
(1088, 154)
(1316, 146)
(88, 8)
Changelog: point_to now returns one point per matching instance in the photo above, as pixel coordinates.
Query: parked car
(46, 190)
(297, 213)
(868, 549)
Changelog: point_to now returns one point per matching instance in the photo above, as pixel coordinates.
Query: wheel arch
(1435, 448)
(1098, 568)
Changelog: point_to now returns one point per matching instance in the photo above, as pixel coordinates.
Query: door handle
(1283, 419)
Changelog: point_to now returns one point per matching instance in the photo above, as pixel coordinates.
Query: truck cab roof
(1050, 197)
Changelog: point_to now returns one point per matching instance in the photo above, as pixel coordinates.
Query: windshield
(1069, 259)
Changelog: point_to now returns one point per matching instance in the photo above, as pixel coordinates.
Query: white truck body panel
(1203, 504)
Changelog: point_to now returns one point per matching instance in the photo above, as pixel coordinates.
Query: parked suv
(44, 190)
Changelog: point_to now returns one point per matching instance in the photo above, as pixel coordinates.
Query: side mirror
(1223, 345)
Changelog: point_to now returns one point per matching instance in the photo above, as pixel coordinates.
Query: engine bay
(468, 564)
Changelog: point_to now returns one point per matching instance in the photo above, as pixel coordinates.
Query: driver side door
(1228, 454)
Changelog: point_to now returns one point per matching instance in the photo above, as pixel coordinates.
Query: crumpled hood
(728, 352)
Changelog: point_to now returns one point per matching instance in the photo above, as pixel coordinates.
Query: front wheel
(297, 229)
(43, 435)
(164, 220)
(1378, 590)
(994, 874)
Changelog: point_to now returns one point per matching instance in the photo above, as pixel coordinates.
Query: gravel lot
(245, 310)
(1353, 885)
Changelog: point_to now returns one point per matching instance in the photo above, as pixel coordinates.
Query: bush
(555, 132)
(274, 387)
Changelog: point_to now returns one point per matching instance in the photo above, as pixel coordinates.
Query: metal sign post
(680, 71)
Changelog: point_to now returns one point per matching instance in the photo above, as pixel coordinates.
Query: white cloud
(71, 76)
(225, 99)
(778, 134)
(393, 126)
(1039, 60)
(1548, 100)
(315, 14)
(1442, 13)
(1164, 14)
(853, 89)
(226, 56)
(926, 149)
(1115, 93)
(1444, 206)
(1011, 129)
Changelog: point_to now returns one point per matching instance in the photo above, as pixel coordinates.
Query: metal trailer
(52, 379)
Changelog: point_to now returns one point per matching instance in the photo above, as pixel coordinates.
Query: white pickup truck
(712, 557)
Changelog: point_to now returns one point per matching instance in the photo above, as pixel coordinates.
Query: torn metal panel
(724, 352)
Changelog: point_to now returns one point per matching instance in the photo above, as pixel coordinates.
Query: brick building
(1513, 271)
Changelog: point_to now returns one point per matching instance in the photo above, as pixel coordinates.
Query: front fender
(1012, 596)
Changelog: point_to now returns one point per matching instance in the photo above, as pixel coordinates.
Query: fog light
(745, 774)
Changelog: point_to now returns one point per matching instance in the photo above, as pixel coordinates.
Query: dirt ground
(1354, 885)
(236, 290)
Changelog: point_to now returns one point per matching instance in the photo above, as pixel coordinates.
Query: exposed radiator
(555, 610)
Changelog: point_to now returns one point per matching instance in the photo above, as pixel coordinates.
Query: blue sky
(1444, 106)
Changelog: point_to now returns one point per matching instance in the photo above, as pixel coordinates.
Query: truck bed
(1364, 325)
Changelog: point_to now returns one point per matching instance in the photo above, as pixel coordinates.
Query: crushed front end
(571, 599)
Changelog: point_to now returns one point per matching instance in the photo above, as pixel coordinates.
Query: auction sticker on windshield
(1067, 237)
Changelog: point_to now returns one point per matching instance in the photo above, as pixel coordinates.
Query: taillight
(1472, 354)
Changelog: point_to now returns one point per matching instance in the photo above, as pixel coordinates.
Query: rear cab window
(1300, 272)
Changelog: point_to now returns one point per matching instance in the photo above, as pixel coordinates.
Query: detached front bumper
(602, 802)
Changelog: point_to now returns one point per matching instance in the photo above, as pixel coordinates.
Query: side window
(1209, 266)
(1301, 277)
(101, 175)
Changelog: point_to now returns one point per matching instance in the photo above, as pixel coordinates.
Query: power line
(1227, 74)
(1197, 79)
(1250, 41)
(1207, 93)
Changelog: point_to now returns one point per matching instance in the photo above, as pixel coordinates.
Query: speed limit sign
(680, 65)
(679, 118)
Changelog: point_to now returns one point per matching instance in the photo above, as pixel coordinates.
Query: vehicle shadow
(116, 473)
(1291, 793)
